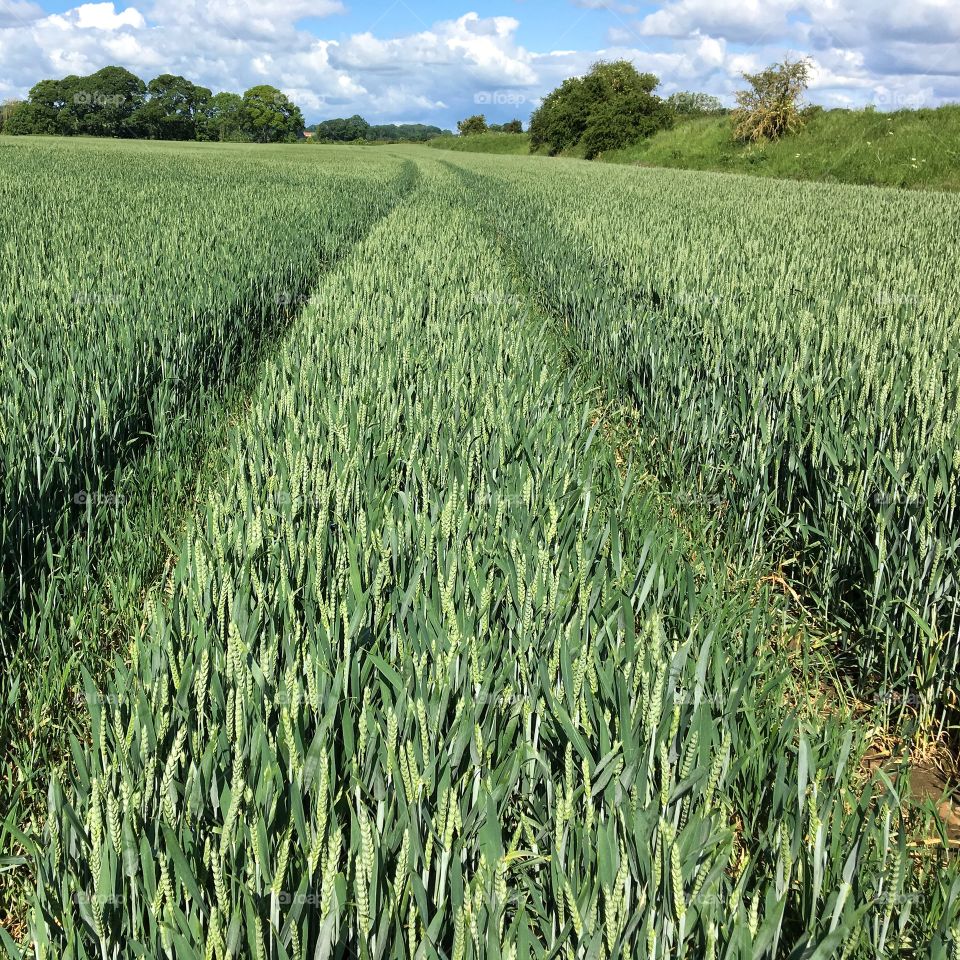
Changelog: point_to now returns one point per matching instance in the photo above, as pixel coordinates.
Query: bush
(770, 109)
(6, 111)
(27, 118)
(618, 123)
(475, 124)
(688, 104)
(612, 106)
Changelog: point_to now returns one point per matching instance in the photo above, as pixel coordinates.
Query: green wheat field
(410, 553)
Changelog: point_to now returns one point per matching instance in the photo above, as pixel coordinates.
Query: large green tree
(223, 118)
(175, 109)
(612, 106)
(113, 102)
(343, 129)
(103, 104)
(269, 116)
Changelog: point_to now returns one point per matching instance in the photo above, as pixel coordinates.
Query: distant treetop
(356, 129)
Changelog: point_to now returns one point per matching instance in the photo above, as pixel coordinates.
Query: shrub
(685, 103)
(475, 124)
(770, 108)
(612, 106)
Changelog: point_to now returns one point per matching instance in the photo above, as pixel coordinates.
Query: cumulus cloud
(103, 16)
(742, 21)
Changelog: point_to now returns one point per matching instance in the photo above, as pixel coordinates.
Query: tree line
(356, 130)
(113, 102)
(478, 124)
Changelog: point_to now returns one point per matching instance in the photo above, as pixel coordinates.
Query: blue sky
(422, 60)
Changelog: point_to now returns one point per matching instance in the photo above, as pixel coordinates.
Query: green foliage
(165, 303)
(403, 132)
(342, 131)
(7, 109)
(356, 129)
(223, 118)
(176, 109)
(472, 125)
(770, 108)
(512, 126)
(102, 104)
(688, 104)
(612, 106)
(837, 382)
(559, 122)
(26, 118)
(269, 116)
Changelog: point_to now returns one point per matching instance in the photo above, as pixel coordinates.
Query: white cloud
(102, 16)
(742, 21)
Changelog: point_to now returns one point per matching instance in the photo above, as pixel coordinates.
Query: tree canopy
(511, 126)
(113, 102)
(270, 116)
(354, 129)
(174, 108)
(686, 103)
(223, 118)
(612, 106)
(471, 125)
